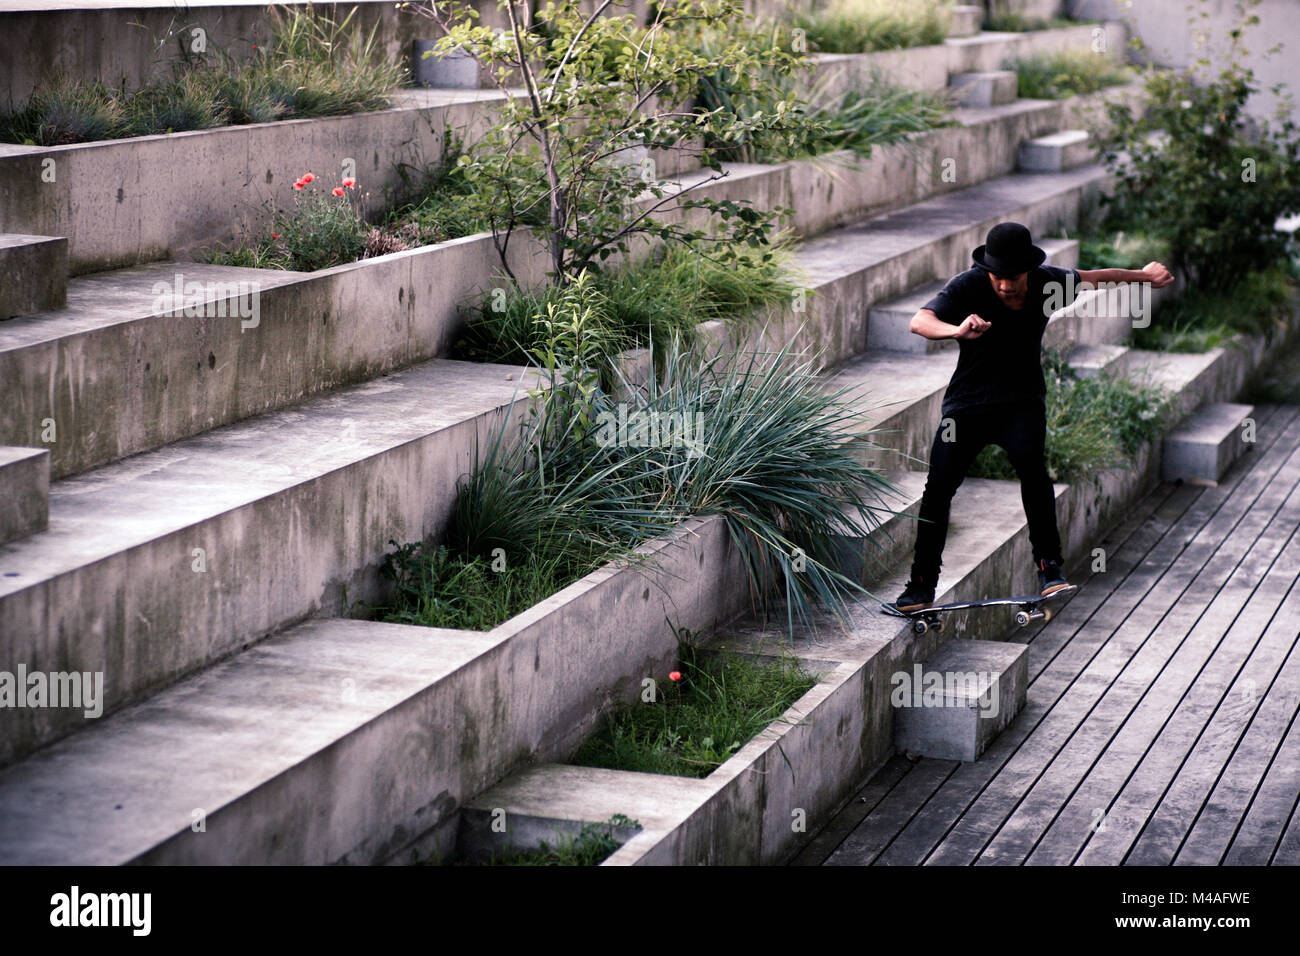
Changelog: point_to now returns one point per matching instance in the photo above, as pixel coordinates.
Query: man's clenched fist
(971, 328)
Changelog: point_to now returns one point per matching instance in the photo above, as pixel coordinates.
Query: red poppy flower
(275, 235)
(308, 178)
(298, 185)
(349, 183)
(338, 190)
(675, 675)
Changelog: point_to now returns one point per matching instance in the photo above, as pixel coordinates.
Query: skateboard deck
(1030, 609)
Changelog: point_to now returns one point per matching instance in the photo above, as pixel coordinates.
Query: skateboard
(1030, 609)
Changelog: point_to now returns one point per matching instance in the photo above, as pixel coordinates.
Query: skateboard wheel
(1022, 618)
(919, 627)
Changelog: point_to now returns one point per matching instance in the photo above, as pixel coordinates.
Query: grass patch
(314, 66)
(1200, 319)
(1092, 424)
(1058, 76)
(721, 702)
(866, 26)
(1013, 21)
(590, 846)
(1125, 249)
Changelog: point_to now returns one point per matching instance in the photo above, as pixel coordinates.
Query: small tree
(1203, 174)
(571, 154)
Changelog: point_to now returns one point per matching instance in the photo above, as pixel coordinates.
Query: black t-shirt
(1002, 365)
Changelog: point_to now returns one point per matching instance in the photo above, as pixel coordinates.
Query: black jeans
(1021, 429)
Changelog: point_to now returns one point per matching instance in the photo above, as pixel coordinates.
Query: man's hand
(971, 328)
(1157, 275)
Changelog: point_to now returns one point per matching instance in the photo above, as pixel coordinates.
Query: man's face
(1011, 289)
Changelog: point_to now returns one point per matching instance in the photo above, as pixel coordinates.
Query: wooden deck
(1160, 725)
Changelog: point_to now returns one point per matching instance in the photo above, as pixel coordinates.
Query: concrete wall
(1171, 31)
(131, 42)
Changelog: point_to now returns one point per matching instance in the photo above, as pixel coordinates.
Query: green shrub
(865, 26)
(664, 295)
(1200, 319)
(694, 725)
(1197, 176)
(1057, 76)
(1121, 250)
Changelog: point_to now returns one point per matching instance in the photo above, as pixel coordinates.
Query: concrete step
(1089, 361)
(242, 342)
(1055, 152)
(168, 561)
(33, 274)
(549, 800)
(24, 492)
(965, 20)
(887, 324)
(349, 741)
(986, 88)
(1206, 443)
(952, 706)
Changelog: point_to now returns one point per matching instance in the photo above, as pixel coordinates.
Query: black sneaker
(917, 595)
(1050, 577)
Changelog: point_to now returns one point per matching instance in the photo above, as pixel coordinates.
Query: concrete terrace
(1160, 725)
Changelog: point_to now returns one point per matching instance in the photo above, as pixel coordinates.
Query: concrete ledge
(1056, 152)
(992, 88)
(965, 20)
(35, 274)
(24, 492)
(165, 563)
(1089, 361)
(929, 67)
(1206, 443)
(358, 742)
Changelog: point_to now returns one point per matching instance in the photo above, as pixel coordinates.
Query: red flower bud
(675, 675)
(338, 190)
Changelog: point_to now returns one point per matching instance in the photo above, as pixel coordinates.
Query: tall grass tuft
(1066, 73)
(865, 26)
(315, 65)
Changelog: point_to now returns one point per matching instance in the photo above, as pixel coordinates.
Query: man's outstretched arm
(1152, 272)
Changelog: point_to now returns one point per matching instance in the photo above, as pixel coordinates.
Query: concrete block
(987, 88)
(952, 706)
(1206, 443)
(24, 492)
(1056, 152)
(1063, 253)
(965, 20)
(33, 274)
(456, 70)
(1089, 361)
(887, 323)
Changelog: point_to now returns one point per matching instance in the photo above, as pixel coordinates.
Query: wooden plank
(863, 801)
(870, 837)
(981, 820)
(1217, 822)
(1174, 769)
(1184, 621)
(1274, 803)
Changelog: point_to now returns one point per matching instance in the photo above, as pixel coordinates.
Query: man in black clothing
(998, 312)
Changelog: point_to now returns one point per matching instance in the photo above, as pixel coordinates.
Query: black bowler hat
(1008, 250)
